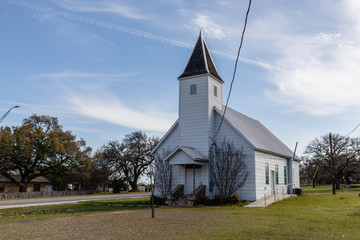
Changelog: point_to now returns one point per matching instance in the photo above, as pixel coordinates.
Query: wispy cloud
(213, 30)
(71, 75)
(319, 74)
(96, 101)
(112, 110)
(202, 21)
(262, 64)
(102, 7)
(98, 23)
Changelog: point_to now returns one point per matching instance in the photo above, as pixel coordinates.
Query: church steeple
(200, 62)
(200, 90)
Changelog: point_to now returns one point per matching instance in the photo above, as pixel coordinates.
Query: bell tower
(200, 90)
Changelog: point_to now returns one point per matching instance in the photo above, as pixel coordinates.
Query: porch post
(194, 179)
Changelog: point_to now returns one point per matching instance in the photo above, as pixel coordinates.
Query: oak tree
(346, 153)
(132, 156)
(39, 147)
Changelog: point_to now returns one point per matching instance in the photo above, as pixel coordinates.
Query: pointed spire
(200, 61)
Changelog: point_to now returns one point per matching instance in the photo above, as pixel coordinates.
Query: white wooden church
(271, 164)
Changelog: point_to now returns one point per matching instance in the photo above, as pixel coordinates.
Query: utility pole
(332, 165)
(152, 186)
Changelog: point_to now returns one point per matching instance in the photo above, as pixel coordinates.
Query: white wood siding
(196, 111)
(214, 102)
(181, 158)
(170, 142)
(193, 114)
(175, 176)
(261, 187)
(296, 175)
(247, 192)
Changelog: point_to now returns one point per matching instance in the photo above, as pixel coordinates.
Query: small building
(270, 163)
(36, 185)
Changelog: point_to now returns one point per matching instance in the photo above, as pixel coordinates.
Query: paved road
(61, 200)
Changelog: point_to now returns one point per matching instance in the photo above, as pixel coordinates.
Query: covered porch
(192, 172)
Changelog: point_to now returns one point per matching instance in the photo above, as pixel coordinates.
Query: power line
(352, 130)
(236, 62)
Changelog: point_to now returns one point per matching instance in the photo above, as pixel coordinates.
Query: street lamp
(4, 116)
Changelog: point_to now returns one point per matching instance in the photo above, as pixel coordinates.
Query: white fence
(44, 194)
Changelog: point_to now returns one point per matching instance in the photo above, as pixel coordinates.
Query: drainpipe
(291, 177)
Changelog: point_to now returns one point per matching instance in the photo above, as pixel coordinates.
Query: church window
(215, 91)
(193, 89)
(276, 174)
(266, 173)
(285, 177)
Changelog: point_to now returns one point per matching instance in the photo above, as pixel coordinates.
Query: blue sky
(107, 68)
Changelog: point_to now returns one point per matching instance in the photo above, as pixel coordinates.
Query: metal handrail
(274, 191)
(177, 192)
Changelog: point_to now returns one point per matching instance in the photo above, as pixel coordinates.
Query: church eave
(200, 75)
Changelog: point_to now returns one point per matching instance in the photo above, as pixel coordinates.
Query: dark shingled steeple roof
(200, 62)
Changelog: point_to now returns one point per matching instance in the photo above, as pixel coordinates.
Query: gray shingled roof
(191, 152)
(200, 61)
(256, 133)
(18, 179)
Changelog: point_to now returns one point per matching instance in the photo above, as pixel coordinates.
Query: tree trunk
(337, 183)
(22, 187)
(134, 186)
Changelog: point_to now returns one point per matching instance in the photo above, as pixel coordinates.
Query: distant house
(269, 161)
(36, 185)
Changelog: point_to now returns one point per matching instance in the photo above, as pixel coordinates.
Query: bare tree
(229, 170)
(132, 156)
(163, 172)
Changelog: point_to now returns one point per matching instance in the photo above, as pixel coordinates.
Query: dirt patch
(168, 224)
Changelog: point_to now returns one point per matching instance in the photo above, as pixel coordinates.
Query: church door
(189, 178)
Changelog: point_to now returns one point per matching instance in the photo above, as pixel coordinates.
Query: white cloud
(212, 29)
(101, 6)
(318, 73)
(110, 109)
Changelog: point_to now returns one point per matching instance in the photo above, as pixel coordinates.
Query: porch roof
(193, 156)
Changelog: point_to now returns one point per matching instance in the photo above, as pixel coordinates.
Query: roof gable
(195, 156)
(173, 127)
(200, 62)
(256, 133)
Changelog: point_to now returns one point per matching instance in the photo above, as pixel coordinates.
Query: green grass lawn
(72, 209)
(313, 215)
(328, 188)
(309, 216)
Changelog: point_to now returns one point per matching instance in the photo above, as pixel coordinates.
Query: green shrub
(118, 185)
(234, 199)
